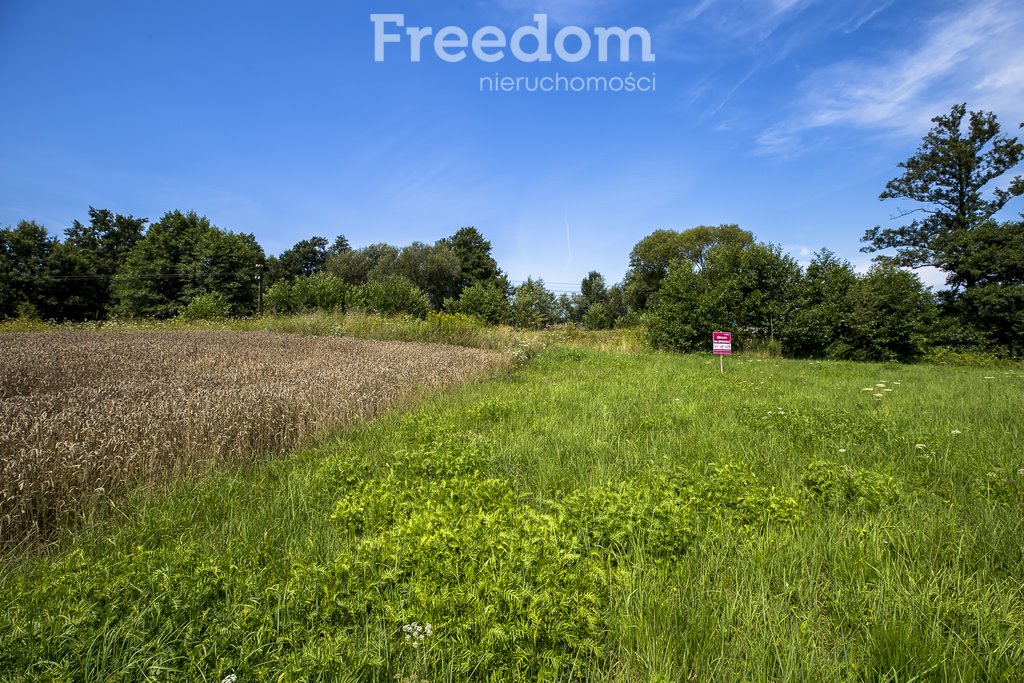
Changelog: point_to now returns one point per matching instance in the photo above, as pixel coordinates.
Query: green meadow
(589, 516)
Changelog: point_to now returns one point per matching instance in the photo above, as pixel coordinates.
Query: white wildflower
(230, 678)
(955, 432)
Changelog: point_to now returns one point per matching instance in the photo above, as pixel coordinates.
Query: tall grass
(437, 328)
(591, 516)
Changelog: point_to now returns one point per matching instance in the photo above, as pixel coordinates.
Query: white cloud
(974, 55)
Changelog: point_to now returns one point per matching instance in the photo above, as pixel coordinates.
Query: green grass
(591, 516)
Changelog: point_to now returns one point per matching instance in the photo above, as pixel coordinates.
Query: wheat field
(86, 415)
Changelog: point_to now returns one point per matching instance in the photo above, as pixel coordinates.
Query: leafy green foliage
(359, 266)
(533, 305)
(745, 288)
(210, 306)
(819, 318)
(24, 252)
(97, 251)
(318, 292)
(392, 295)
(182, 256)
(487, 302)
(650, 259)
(888, 312)
(990, 267)
(304, 259)
(476, 264)
(948, 174)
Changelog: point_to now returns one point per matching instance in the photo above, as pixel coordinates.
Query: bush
(597, 317)
(533, 306)
(279, 298)
(209, 306)
(318, 292)
(888, 311)
(484, 301)
(392, 295)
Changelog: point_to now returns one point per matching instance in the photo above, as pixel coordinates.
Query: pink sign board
(721, 342)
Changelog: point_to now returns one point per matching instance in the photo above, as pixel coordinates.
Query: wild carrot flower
(416, 634)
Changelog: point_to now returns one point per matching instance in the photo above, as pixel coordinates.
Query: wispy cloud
(872, 12)
(973, 54)
(725, 25)
(742, 41)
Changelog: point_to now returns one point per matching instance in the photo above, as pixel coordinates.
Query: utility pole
(259, 298)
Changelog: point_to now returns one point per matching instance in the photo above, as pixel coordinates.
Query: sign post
(721, 344)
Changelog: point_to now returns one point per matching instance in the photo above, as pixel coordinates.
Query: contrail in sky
(568, 239)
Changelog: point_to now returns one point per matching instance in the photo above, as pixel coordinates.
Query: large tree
(25, 258)
(475, 261)
(433, 268)
(887, 314)
(820, 307)
(948, 177)
(184, 256)
(992, 258)
(748, 289)
(649, 261)
(359, 266)
(533, 305)
(304, 258)
(94, 252)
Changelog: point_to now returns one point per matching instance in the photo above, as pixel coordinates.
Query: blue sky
(784, 116)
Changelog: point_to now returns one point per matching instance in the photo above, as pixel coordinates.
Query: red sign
(722, 343)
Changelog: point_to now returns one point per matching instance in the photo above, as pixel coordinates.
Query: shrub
(392, 295)
(533, 306)
(279, 298)
(318, 292)
(484, 301)
(597, 317)
(209, 306)
(887, 314)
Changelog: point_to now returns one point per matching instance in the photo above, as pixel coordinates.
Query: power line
(139, 276)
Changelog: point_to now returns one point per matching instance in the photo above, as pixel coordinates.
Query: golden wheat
(89, 414)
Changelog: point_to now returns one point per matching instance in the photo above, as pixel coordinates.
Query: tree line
(680, 285)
